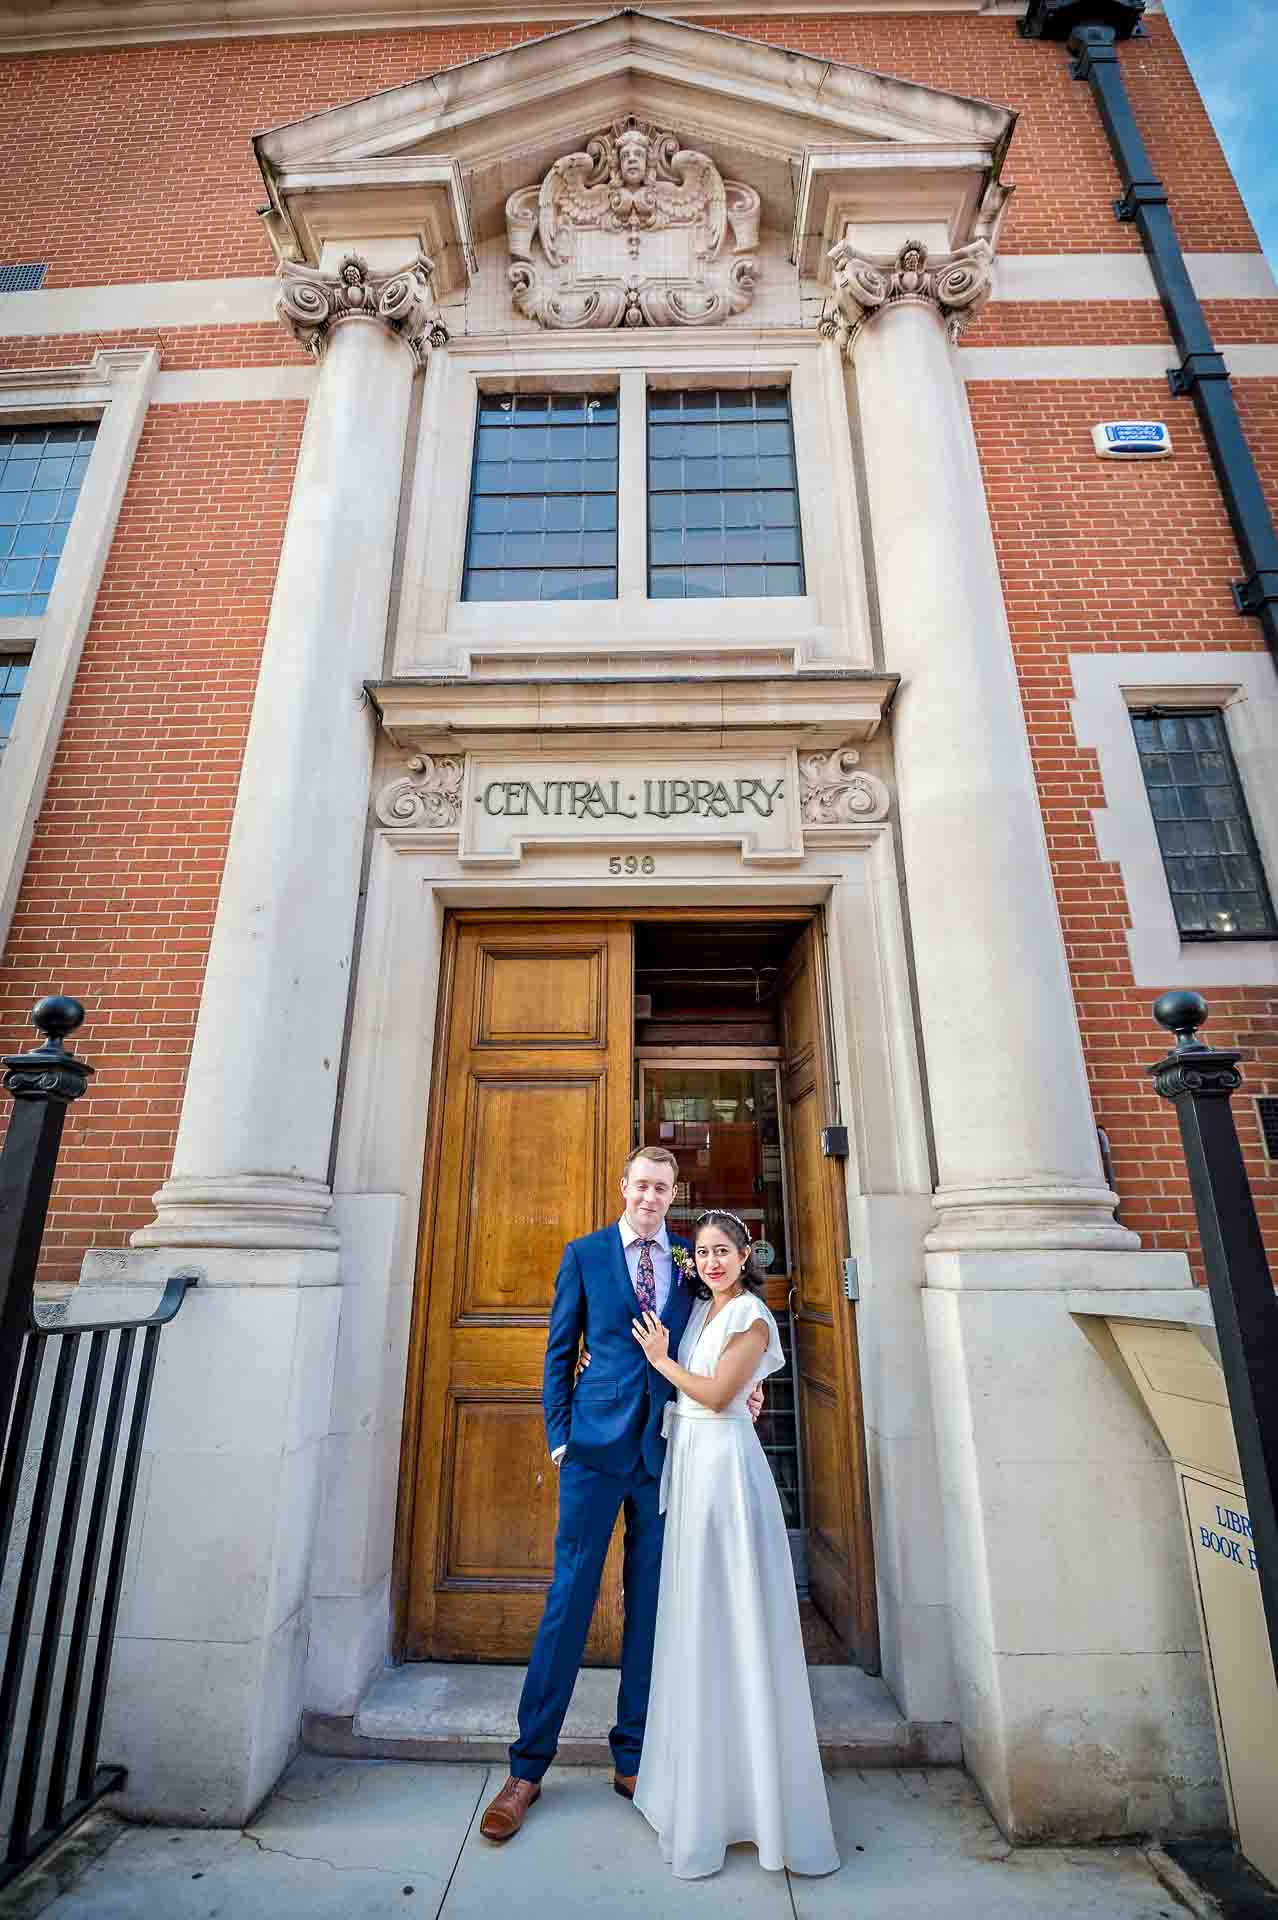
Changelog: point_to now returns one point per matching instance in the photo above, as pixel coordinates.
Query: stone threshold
(432, 1711)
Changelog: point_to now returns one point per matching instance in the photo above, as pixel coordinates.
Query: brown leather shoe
(504, 1815)
(624, 1784)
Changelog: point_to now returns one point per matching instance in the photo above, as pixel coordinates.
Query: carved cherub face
(632, 158)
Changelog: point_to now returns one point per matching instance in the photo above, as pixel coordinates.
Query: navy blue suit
(611, 1425)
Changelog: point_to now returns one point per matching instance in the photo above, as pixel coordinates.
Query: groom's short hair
(662, 1157)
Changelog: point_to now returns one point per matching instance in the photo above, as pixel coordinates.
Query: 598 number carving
(632, 863)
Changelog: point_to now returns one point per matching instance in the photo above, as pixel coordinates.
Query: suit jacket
(612, 1419)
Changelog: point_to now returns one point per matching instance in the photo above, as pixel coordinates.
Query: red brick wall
(175, 122)
(1113, 323)
(1099, 557)
(120, 889)
(101, 151)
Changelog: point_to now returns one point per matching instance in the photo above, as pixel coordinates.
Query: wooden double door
(531, 1122)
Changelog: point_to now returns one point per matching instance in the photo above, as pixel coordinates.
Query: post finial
(56, 1016)
(49, 1071)
(1182, 1013)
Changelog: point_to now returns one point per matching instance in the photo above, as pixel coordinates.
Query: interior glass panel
(722, 1124)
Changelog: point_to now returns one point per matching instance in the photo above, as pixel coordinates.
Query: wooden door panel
(812, 1226)
(840, 1551)
(530, 1124)
(799, 1019)
(533, 1148)
(501, 1499)
(821, 1451)
(554, 998)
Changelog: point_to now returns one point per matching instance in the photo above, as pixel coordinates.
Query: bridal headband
(723, 1213)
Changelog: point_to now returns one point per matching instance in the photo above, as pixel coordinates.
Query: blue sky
(1232, 50)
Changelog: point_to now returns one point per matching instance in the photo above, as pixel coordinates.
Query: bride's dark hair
(752, 1274)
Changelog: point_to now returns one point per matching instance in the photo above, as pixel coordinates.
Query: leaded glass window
(41, 469)
(1204, 832)
(723, 498)
(543, 500)
(13, 673)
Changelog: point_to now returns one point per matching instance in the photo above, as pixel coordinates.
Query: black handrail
(1200, 1081)
(64, 1448)
(81, 1494)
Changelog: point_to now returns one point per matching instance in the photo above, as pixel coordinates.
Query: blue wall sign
(1131, 439)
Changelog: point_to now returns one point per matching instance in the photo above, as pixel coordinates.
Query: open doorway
(563, 1040)
(715, 1004)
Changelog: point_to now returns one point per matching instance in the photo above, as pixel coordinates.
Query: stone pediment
(440, 160)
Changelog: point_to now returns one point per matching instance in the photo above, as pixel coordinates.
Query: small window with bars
(1218, 888)
(22, 276)
(723, 498)
(543, 498)
(1267, 1114)
(41, 470)
(13, 674)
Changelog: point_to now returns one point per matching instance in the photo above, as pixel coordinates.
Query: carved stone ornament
(833, 793)
(635, 231)
(311, 304)
(956, 284)
(427, 795)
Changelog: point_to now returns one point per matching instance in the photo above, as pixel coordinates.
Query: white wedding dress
(730, 1747)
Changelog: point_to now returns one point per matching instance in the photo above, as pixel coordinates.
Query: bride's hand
(653, 1338)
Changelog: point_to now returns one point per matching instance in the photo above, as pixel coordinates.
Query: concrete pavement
(371, 1838)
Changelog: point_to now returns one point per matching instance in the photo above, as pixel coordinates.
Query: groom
(606, 1440)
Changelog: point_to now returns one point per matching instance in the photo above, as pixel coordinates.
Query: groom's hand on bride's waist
(755, 1401)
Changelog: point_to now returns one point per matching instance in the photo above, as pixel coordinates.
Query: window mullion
(632, 488)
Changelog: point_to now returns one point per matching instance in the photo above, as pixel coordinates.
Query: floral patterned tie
(645, 1278)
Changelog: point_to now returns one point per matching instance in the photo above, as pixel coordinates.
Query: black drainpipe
(1092, 28)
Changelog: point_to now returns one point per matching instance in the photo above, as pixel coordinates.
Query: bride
(730, 1748)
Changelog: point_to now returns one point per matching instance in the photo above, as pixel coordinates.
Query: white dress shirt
(662, 1270)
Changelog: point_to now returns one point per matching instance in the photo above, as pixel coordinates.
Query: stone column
(250, 1167)
(1015, 1136)
(209, 1676)
(1081, 1702)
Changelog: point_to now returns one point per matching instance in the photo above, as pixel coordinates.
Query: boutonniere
(685, 1263)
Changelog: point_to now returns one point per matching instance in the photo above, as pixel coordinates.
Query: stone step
(430, 1711)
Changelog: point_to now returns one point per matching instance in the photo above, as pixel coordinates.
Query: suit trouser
(588, 1506)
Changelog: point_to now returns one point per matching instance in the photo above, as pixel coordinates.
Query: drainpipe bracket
(1195, 367)
(1141, 193)
(1092, 46)
(1057, 19)
(1254, 595)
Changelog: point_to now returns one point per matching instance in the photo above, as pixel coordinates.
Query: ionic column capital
(955, 285)
(312, 304)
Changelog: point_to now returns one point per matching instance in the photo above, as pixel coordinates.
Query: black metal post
(35, 1460)
(43, 1083)
(1092, 29)
(1199, 1081)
